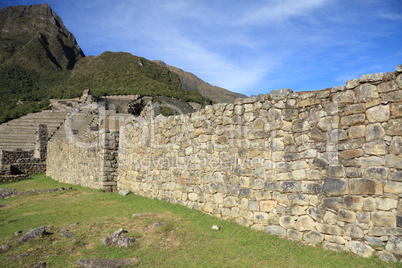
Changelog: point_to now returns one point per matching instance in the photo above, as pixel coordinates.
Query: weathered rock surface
(124, 192)
(104, 263)
(33, 233)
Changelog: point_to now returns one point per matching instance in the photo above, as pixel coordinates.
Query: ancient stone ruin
(318, 167)
(322, 167)
(19, 164)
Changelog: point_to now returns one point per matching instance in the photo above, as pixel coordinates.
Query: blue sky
(250, 47)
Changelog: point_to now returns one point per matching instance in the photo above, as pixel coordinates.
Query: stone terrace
(21, 133)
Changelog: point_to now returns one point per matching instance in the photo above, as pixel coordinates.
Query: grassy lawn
(185, 240)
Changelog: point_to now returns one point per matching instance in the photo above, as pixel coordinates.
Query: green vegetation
(107, 74)
(40, 60)
(185, 240)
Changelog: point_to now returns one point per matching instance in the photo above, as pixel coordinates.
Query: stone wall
(319, 167)
(10, 157)
(88, 160)
(19, 164)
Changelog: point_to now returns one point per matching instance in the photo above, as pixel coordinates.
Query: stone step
(18, 138)
(33, 122)
(12, 146)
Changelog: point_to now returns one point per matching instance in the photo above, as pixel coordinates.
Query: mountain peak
(36, 28)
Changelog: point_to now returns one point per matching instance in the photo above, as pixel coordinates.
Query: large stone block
(353, 231)
(300, 199)
(374, 132)
(313, 237)
(311, 187)
(334, 187)
(385, 231)
(346, 215)
(375, 148)
(394, 127)
(294, 235)
(304, 223)
(393, 161)
(366, 92)
(365, 186)
(353, 172)
(394, 245)
(290, 186)
(332, 203)
(275, 230)
(329, 229)
(355, 132)
(395, 176)
(371, 161)
(353, 202)
(363, 217)
(371, 77)
(351, 120)
(280, 94)
(336, 171)
(395, 96)
(380, 113)
(361, 249)
(354, 153)
(277, 145)
(287, 222)
(386, 203)
(387, 87)
(355, 109)
(396, 110)
(256, 184)
(260, 217)
(374, 241)
(347, 96)
(386, 256)
(296, 210)
(369, 204)
(396, 146)
(267, 205)
(333, 246)
(314, 213)
(229, 202)
(393, 187)
(350, 84)
(383, 219)
(375, 172)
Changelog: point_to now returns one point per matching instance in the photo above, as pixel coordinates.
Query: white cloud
(278, 11)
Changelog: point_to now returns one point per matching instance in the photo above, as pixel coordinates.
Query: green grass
(186, 239)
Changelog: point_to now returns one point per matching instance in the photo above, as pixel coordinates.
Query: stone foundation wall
(319, 167)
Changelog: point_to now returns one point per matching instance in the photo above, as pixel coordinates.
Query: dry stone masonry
(319, 167)
(19, 164)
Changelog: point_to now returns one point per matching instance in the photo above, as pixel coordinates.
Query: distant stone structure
(318, 167)
(19, 164)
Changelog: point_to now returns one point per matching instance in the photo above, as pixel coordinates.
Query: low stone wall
(19, 164)
(319, 167)
(12, 178)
